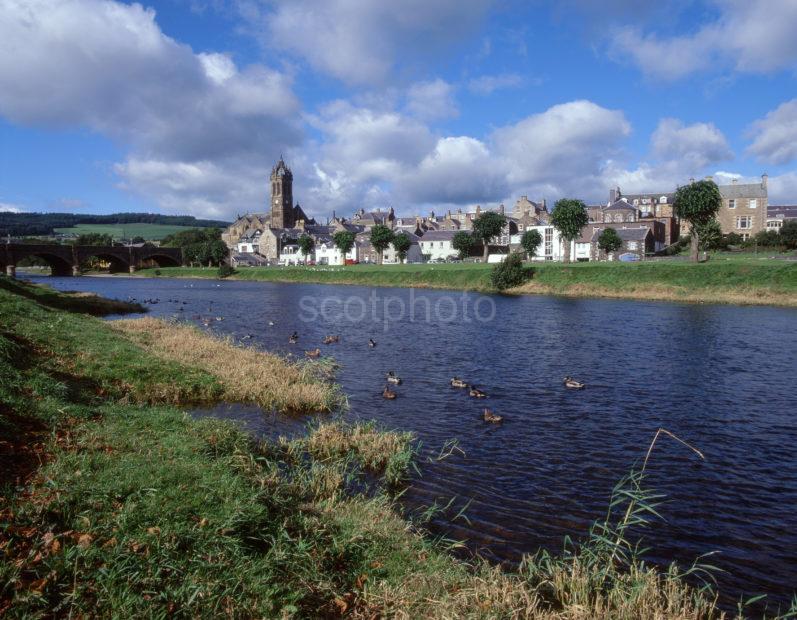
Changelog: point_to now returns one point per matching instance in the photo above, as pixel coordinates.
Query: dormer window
(663, 200)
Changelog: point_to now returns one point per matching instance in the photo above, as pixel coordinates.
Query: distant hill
(37, 224)
(148, 232)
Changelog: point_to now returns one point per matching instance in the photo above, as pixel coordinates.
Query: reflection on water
(721, 377)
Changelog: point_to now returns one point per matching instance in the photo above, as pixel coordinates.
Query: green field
(734, 279)
(150, 232)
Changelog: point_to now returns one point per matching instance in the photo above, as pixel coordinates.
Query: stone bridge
(66, 260)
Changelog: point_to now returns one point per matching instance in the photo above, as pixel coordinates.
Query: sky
(183, 106)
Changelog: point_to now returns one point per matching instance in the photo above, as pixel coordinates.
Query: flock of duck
(391, 378)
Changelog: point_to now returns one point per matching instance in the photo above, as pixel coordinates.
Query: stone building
(744, 207)
(777, 215)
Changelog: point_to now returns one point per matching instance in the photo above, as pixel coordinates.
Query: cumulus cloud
(775, 135)
(563, 148)
(7, 207)
(695, 146)
(487, 84)
(432, 100)
(107, 66)
(361, 41)
(754, 36)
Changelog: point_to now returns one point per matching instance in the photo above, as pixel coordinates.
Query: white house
(437, 244)
(249, 242)
(551, 247)
(290, 254)
(327, 253)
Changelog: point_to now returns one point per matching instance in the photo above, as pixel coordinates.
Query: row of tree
(200, 246)
(381, 238)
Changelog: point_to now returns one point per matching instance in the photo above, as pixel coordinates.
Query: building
(777, 215)
(437, 245)
(638, 240)
(744, 207)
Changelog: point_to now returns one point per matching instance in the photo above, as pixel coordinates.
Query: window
(548, 241)
(774, 224)
(731, 204)
(663, 200)
(629, 217)
(744, 222)
(632, 245)
(754, 203)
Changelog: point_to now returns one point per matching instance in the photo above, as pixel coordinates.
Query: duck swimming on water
(458, 383)
(392, 378)
(491, 417)
(572, 384)
(371, 343)
(314, 353)
(388, 394)
(476, 392)
(294, 338)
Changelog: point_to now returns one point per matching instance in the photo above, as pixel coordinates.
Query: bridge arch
(59, 266)
(159, 259)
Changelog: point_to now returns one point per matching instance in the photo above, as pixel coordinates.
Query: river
(720, 377)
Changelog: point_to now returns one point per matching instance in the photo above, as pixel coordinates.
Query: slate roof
(620, 205)
(743, 190)
(438, 235)
(786, 212)
(626, 234)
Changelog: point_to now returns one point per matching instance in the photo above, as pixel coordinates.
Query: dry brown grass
(374, 448)
(663, 292)
(246, 374)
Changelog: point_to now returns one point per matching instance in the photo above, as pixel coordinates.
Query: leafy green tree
(344, 241)
(226, 270)
(530, 241)
(609, 241)
(710, 236)
(788, 234)
(401, 243)
(306, 245)
(463, 243)
(94, 239)
(767, 238)
(486, 227)
(510, 272)
(200, 245)
(381, 237)
(569, 217)
(698, 204)
(138, 239)
(733, 239)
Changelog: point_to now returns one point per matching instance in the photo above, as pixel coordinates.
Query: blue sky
(182, 106)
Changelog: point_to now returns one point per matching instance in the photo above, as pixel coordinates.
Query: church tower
(281, 196)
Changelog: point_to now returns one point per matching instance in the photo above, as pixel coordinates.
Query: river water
(720, 377)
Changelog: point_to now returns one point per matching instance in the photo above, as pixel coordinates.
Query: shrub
(226, 270)
(510, 273)
(157, 272)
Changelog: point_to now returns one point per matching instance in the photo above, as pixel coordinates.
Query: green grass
(150, 232)
(723, 279)
(123, 506)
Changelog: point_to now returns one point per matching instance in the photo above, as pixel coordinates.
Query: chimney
(733, 181)
(612, 196)
(764, 179)
(501, 209)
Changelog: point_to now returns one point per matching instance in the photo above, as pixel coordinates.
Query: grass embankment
(720, 280)
(121, 505)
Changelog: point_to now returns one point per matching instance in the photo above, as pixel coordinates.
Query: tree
(788, 234)
(509, 272)
(199, 245)
(609, 241)
(487, 226)
(697, 203)
(710, 235)
(569, 216)
(138, 239)
(306, 245)
(344, 241)
(463, 243)
(381, 237)
(401, 243)
(530, 241)
(94, 239)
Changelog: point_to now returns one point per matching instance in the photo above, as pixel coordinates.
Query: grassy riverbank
(114, 503)
(746, 280)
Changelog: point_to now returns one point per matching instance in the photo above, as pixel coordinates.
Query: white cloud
(107, 66)
(694, 146)
(775, 135)
(361, 41)
(432, 100)
(563, 149)
(755, 36)
(7, 207)
(487, 84)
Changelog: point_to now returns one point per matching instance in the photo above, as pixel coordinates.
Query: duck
(271, 323)
(491, 417)
(458, 383)
(371, 343)
(392, 378)
(331, 339)
(476, 392)
(294, 338)
(314, 353)
(388, 394)
(573, 384)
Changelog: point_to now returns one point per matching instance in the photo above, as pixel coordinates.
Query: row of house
(646, 223)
